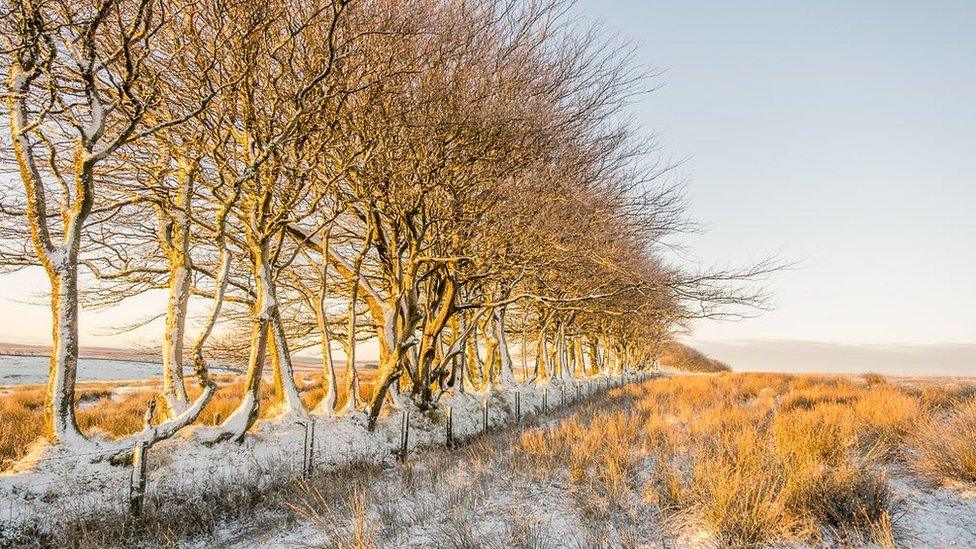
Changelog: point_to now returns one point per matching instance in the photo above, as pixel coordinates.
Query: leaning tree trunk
(473, 366)
(455, 354)
(390, 366)
(385, 383)
(284, 372)
(220, 288)
(542, 364)
(327, 405)
(246, 413)
(579, 364)
(566, 372)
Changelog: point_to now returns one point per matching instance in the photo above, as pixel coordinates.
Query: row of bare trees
(442, 177)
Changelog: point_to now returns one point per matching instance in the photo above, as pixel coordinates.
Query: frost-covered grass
(731, 460)
(720, 460)
(945, 446)
(194, 489)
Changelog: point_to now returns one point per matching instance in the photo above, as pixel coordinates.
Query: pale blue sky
(842, 134)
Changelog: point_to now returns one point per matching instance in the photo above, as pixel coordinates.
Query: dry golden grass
(873, 378)
(117, 411)
(730, 460)
(945, 448)
(755, 459)
(21, 421)
(748, 459)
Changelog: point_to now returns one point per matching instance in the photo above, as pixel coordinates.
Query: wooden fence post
(518, 406)
(137, 484)
(404, 435)
(304, 448)
(308, 450)
(449, 431)
(484, 417)
(545, 400)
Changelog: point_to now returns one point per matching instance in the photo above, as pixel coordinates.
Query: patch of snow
(936, 516)
(33, 370)
(273, 449)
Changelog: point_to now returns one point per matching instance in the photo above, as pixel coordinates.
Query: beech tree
(83, 86)
(446, 179)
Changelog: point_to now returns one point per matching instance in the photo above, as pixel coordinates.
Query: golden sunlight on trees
(454, 180)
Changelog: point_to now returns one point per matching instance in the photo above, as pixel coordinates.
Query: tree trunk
(386, 378)
(59, 414)
(594, 365)
(579, 364)
(246, 413)
(174, 389)
(563, 355)
(327, 405)
(506, 376)
(284, 371)
(542, 365)
(220, 287)
(241, 419)
(60, 263)
(473, 367)
(352, 375)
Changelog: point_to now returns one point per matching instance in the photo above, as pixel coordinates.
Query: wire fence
(166, 476)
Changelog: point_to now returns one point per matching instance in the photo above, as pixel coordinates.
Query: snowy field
(484, 493)
(32, 370)
(53, 483)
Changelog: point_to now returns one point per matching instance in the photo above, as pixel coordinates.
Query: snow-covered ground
(935, 516)
(475, 498)
(483, 497)
(52, 482)
(479, 492)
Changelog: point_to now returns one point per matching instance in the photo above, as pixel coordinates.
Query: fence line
(141, 482)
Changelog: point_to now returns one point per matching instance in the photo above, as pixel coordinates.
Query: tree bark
(60, 262)
(174, 334)
(352, 375)
(59, 413)
(506, 375)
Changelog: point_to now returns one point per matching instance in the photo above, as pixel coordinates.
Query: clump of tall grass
(737, 489)
(600, 453)
(945, 448)
(21, 421)
(888, 415)
(874, 378)
(767, 458)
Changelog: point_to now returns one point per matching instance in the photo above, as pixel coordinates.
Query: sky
(840, 135)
